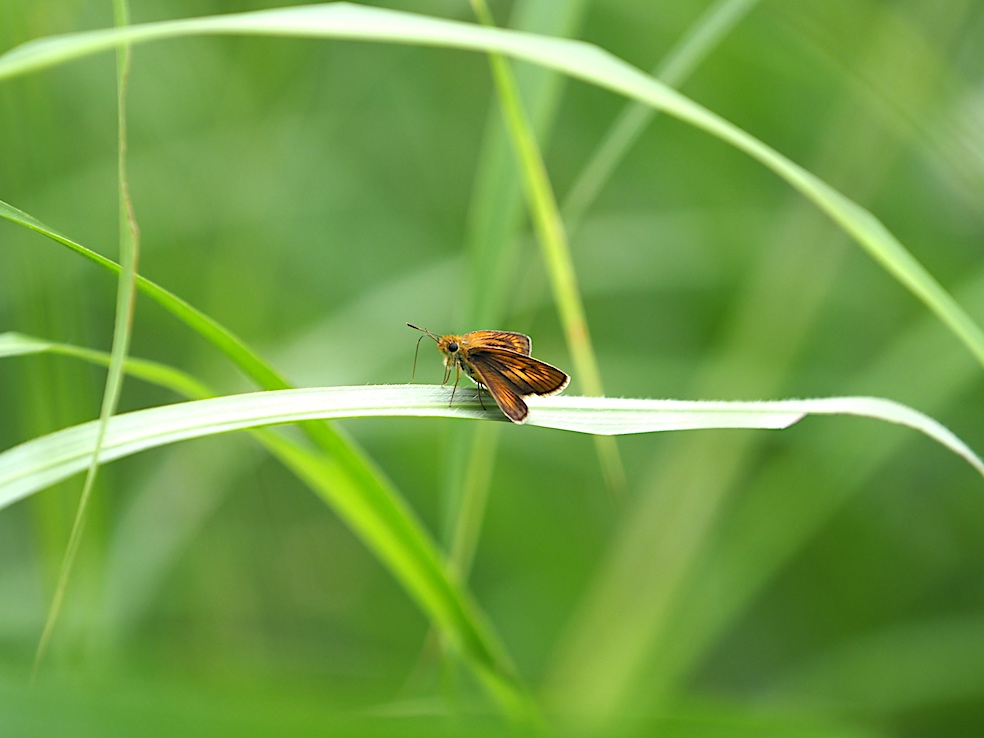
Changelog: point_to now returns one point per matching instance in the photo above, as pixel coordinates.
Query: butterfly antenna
(425, 331)
(422, 330)
(414, 372)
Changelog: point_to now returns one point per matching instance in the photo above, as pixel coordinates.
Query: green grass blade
(390, 529)
(382, 520)
(179, 382)
(349, 468)
(555, 248)
(495, 224)
(35, 464)
(212, 331)
(224, 340)
(493, 245)
(764, 529)
(357, 468)
(715, 23)
(123, 325)
(494, 241)
(545, 215)
(327, 438)
(577, 59)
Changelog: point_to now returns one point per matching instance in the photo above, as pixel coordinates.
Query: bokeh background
(313, 196)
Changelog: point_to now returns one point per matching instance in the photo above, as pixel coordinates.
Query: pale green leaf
(40, 462)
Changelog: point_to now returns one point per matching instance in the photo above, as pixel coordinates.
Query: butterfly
(500, 362)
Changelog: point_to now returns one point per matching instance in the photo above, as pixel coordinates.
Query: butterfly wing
(510, 375)
(498, 340)
(505, 395)
(528, 376)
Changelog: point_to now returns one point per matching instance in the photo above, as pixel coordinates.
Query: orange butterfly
(499, 361)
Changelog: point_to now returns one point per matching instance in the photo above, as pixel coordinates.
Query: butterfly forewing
(502, 340)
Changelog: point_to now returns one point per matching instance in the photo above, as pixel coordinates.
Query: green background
(313, 196)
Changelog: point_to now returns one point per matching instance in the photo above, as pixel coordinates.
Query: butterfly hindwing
(509, 376)
(505, 395)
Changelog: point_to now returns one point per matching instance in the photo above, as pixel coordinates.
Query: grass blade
(35, 464)
(577, 59)
(715, 23)
(549, 228)
(495, 235)
(123, 325)
(383, 521)
(211, 330)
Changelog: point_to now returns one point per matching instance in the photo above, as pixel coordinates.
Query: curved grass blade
(385, 523)
(554, 246)
(764, 529)
(123, 325)
(358, 467)
(35, 464)
(493, 243)
(212, 331)
(706, 33)
(179, 382)
(577, 59)
(703, 37)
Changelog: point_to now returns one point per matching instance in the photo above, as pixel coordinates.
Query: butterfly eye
(453, 346)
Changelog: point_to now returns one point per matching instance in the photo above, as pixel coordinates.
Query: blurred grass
(338, 472)
(314, 196)
(126, 292)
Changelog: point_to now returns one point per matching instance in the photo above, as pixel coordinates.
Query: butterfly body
(457, 350)
(499, 361)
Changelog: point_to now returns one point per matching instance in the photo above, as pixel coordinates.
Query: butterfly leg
(457, 377)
